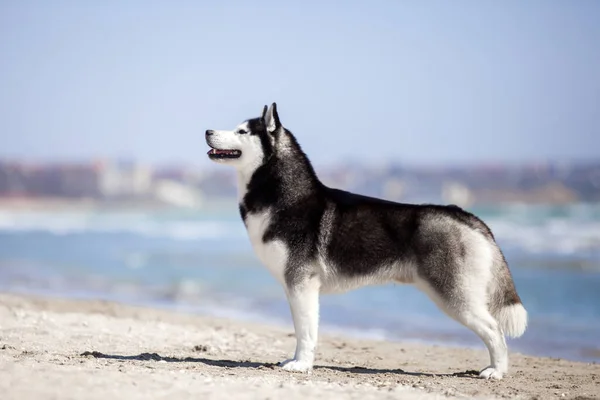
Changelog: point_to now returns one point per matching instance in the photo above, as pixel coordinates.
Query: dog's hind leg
(458, 281)
(470, 309)
(480, 321)
(304, 304)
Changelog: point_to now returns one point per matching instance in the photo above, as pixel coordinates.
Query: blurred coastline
(128, 184)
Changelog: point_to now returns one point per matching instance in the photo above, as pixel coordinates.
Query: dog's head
(251, 143)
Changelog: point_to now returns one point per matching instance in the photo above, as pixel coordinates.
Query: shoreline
(61, 204)
(96, 349)
(428, 338)
(459, 338)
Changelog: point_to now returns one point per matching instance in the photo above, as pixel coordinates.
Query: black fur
(370, 233)
(335, 240)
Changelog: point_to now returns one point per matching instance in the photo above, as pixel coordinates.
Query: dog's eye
(242, 132)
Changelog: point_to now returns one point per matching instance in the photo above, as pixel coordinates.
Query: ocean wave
(552, 236)
(572, 230)
(138, 224)
(553, 330)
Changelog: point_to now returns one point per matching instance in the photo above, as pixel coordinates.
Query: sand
(67, 349)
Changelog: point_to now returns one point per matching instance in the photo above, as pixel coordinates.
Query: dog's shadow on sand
(252, 364)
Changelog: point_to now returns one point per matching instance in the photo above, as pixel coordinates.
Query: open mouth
(220, 154)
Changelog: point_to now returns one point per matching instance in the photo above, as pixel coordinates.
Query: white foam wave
(140, 224)
(571, 230)
(557, 235)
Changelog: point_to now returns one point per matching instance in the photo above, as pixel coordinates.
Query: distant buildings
(108, 181)
(123, 180)
(102, 181)
(552, 183)
(49, 180)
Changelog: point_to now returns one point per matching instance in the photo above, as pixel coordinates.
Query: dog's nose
(209, 132)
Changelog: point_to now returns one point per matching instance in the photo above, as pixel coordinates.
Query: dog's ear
(272, 119)
(264, 112)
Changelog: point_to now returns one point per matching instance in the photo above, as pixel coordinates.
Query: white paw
(296, 365)
(490, 373)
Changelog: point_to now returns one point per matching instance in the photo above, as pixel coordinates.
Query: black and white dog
(315, 239)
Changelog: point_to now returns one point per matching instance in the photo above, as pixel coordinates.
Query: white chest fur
(274, 253)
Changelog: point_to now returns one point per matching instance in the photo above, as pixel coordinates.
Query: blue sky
(411, 82)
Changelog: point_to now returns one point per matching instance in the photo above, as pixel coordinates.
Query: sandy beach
(68, 349)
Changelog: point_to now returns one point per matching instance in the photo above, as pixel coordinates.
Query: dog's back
(316, 239)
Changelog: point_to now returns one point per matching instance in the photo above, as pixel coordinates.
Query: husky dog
(315, 239)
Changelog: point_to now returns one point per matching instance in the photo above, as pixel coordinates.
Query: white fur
(303, 299)
(273, 254)
(270, 120)
(251, 158)
(304, 304)
(333, 283)
(250, 146)
(513, 320)
(243, 179)
(471, 309)
(474, 313)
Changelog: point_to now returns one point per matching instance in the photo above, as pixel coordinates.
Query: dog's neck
(283, 179)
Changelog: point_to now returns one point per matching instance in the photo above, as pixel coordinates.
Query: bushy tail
(505, 304)
(512, 319)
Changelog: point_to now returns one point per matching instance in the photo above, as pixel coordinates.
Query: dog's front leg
(304, 304)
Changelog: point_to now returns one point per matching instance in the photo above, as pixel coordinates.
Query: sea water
(202, 261)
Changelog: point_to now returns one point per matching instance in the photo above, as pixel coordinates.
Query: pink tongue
(221, 151)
